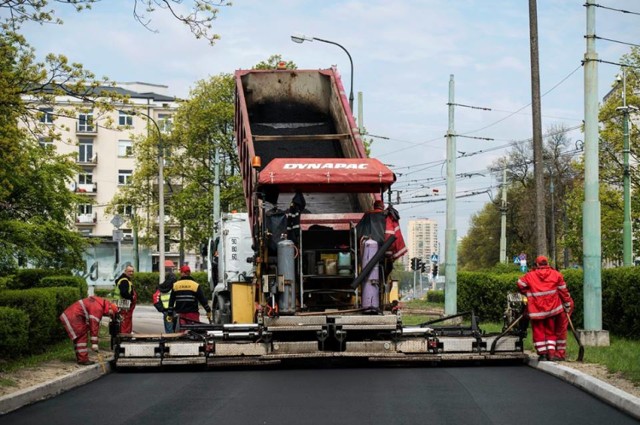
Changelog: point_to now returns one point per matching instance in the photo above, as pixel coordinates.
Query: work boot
(543, 358)
(86, 363)
(557, 359)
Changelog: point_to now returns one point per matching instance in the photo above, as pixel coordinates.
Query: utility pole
(627, 242)
(360, 114)
(451, 259)
(503, 219)
(553, 223)
(538, 165)
(591, 224)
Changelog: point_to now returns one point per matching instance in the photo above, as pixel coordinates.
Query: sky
(403, 52)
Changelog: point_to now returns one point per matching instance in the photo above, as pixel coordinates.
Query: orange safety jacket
(546, 292)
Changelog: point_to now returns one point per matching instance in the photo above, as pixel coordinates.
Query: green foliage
(40, 306)
(14, 332)
(30, 278)
(61, 281)
(480, 249)
(485, 293)
(435, 296)
(273, 61)
(509, 267)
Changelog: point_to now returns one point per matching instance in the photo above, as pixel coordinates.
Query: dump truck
(304, 274)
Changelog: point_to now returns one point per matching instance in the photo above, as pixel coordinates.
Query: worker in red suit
(185, 297)
(548, 299)
(83, 317)
(124, 290)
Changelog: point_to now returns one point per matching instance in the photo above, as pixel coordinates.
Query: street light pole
(300, 38)
(161, 248)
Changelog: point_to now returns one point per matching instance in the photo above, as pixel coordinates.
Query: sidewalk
(599, 389)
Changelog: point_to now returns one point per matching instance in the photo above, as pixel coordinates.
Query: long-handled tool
(495, 341)
(101, 361)
(575, 334)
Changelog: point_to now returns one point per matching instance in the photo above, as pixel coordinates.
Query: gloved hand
(168, 318)
(567, 307)
(95, 347)
(209, 316)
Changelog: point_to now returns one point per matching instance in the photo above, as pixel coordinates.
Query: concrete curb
(599, 389)
(11, 402)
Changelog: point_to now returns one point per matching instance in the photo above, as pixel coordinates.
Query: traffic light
(414, 263)
(434, 270)
(424, 267)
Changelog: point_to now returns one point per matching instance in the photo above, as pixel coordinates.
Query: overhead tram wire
(525, 106)
(616, 41)
(613, 9)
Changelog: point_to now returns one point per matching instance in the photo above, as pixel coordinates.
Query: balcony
(88, 188)
(88, 162)
(86, 219)
(86, 128)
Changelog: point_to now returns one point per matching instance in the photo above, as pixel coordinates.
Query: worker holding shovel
(547, 304)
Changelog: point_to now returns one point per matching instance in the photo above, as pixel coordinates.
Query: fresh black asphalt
(377, 395)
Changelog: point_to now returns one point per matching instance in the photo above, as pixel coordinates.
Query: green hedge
(30, 278)
(14, 332)
(485, 293)
(40, 304)
(435, 296)
(62, 281)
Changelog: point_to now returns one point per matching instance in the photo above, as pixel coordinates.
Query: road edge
(14, 401)
(606, 392)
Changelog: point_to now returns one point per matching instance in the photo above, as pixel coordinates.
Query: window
(85, 150)
(125, 119)
(46, 115)
(125, 210)
(85, 122)
(85, 209)
(165, 122)
(85, 178)
(124, 177)
(125, 148)
(46, 143)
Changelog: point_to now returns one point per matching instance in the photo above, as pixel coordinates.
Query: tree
(36, 205)
(199, 19)
(272, 63)
(480, 248)
(202, 125)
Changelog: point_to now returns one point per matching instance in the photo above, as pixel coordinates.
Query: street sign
(118, 235)
(117, 221)
(434, 258)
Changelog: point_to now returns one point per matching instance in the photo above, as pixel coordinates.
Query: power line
(615, 41)
(611, 8)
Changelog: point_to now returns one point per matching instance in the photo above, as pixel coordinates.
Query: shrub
(60, 281)
(40, 305)
(14, 332)
(435, 296)
(29, 278)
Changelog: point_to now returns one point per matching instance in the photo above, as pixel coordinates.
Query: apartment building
(103, 145)
(422, 240)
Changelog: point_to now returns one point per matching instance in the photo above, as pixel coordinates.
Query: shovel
(101, 361)
(575, 334)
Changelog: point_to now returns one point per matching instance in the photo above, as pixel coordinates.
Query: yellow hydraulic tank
(242, 302)
(394, 294)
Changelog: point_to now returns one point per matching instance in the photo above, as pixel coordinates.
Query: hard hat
(185, 269)
(168, 263)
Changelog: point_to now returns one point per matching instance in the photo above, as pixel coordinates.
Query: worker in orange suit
(83, 317)
(547, 301)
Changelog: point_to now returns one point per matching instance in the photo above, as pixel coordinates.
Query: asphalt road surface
(386, 395)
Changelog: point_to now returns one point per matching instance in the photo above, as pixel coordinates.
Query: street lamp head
(300, 38)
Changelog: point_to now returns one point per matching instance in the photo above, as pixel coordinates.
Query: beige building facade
(422, 240)
(103, 144)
